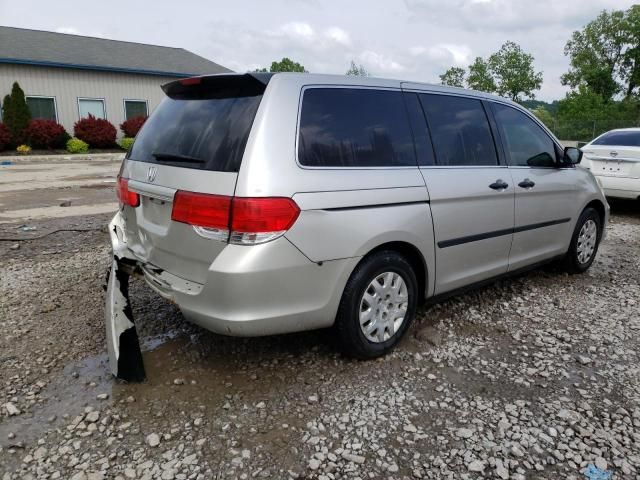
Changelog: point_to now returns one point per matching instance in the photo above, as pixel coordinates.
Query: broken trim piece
(123, 346)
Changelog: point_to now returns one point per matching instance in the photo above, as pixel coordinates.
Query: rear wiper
(173, 157)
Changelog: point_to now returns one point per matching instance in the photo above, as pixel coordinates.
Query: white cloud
(75, 31)
(68, 30)
(413, 39)
(378, 62)
(338, 35)
(297, 30)
(444, 53)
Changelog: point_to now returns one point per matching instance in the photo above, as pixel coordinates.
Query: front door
(546, 195)
(471, 193)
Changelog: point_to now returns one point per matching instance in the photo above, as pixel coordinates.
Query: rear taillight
(126, 196)
(209, 214)
(258, 220)
(243, 221)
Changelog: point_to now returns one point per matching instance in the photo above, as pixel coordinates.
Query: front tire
(584, 242)
(377, 305)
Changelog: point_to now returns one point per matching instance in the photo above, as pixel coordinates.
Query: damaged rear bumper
(265, 289)
(123, 346)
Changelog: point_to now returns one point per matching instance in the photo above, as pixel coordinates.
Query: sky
(404, 39)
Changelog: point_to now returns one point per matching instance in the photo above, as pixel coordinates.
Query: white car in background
(614, 159)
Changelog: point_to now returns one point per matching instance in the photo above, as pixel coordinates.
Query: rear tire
(377, 305)
(584, 242)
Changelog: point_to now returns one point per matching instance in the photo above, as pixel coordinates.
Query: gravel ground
(534, 377)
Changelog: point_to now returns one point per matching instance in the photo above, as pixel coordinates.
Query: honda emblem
(151, 174)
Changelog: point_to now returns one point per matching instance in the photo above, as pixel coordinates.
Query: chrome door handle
(526, 183)
(499, 185)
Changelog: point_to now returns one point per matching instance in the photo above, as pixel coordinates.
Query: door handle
(526, 183)
(499, 185)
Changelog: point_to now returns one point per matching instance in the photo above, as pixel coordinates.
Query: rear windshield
(619, 139)
(201, 133)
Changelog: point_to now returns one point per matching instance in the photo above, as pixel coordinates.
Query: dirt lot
(534, 377)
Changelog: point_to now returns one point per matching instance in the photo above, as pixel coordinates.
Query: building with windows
(67, 77)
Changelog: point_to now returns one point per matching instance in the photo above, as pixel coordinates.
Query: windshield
(619, 139)
(201, 133)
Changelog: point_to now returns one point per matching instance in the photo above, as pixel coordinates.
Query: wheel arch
(599, 207)
(413, 256)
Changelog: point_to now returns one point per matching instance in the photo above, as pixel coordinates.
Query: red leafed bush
(43, 134)
(97, 132)
(131, 127)
(5, 137)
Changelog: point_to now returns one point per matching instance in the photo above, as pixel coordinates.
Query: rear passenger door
(471, 192)
(358, 185)
(546, 195)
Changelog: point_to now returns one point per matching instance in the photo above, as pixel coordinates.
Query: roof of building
(37, 47)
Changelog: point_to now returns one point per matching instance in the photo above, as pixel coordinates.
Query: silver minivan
(270, 203)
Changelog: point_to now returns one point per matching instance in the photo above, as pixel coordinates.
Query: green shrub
(23, 149)
(16, 113)
(75, 145)
(125, 143)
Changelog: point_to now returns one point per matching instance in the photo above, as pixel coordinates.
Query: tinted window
(342, 127)
(424, 149)
(459, 130)
(619, 139)
(42, 107)
(525, 142)
(135, 108)
(202, 133)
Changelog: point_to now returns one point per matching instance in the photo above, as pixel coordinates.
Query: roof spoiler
(218, 86)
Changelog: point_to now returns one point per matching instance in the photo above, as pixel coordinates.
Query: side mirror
(572, 156)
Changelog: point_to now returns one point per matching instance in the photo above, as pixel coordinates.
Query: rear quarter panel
(345, 212)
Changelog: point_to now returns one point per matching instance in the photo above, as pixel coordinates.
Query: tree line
(288, 65)
(603, 78)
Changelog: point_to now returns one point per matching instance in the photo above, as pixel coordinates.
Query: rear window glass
(348, 127)
(620, 139)
(202, 133)
(460, 131)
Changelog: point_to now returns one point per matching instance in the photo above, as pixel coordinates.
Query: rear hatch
(194, 141)
(615, 154)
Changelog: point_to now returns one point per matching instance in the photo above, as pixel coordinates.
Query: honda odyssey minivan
(270, 203)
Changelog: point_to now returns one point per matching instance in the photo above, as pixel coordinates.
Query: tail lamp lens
(239, 220)
(126, 196)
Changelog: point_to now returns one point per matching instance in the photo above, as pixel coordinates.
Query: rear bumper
(619, 187)
(251, 290)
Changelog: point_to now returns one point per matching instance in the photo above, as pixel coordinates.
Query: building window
(135, 108)
(42, 107)
(91, 106)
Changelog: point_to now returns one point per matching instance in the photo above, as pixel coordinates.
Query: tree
(6, 106)
(480, 77)
(544, 116)
(508, 72)
(551, 107)
(630, 70)
(583, 114)
(16, 113)
(596, 55)
(284, 65)
(454, 77)
(513, 71)
(357, 70)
